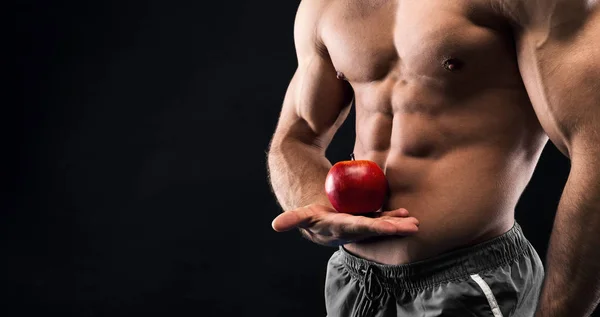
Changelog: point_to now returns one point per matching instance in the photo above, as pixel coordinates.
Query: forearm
(572, 283)
(297, 173)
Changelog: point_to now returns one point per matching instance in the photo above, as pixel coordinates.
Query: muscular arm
(559, 57)
(315, 105)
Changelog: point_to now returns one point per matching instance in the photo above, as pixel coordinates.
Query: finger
(364, 227)
(403, 226)
(383, 227)
(401, 212)
(289, 220)
(367, 227)
(409, 220)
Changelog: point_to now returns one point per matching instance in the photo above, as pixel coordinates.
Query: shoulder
(547, 14)
(307, 29)
(310, 12)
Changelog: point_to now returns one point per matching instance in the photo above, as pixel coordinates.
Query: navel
(452, 64)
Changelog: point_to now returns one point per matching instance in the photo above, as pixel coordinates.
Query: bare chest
(438, 41)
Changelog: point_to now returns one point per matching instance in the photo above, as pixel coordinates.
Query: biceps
(315, 105)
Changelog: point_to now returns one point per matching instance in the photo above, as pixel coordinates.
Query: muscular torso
(441, 107)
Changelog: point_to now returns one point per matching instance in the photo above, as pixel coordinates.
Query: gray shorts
(500, 277)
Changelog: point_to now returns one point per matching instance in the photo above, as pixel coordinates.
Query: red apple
(356, 186)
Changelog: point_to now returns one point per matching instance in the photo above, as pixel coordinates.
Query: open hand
(324, 225)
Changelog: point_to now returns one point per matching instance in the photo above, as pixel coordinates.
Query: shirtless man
(455, 100)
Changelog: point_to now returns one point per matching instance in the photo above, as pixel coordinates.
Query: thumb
(289, 220)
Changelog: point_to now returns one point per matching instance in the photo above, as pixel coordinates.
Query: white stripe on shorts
(488, 294)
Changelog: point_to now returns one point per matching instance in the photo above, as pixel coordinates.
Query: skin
(456, 112)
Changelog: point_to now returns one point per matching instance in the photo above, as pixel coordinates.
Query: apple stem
(352, 156)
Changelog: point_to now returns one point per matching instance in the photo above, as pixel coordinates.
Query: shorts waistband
(454, 265)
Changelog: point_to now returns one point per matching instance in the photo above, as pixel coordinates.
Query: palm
(325, 225)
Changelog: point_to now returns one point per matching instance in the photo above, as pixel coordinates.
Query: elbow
(292, 142)
(585, 145)
(277, 147)
(280, 144)
(274, 146)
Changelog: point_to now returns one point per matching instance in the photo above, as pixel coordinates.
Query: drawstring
(373, 288)
(373, 292)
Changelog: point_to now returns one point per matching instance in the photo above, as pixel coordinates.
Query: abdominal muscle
(462, 194)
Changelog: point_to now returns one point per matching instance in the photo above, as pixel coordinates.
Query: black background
(134, 172)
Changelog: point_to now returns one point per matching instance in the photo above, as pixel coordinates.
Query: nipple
(340, 75)
(452, 64)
